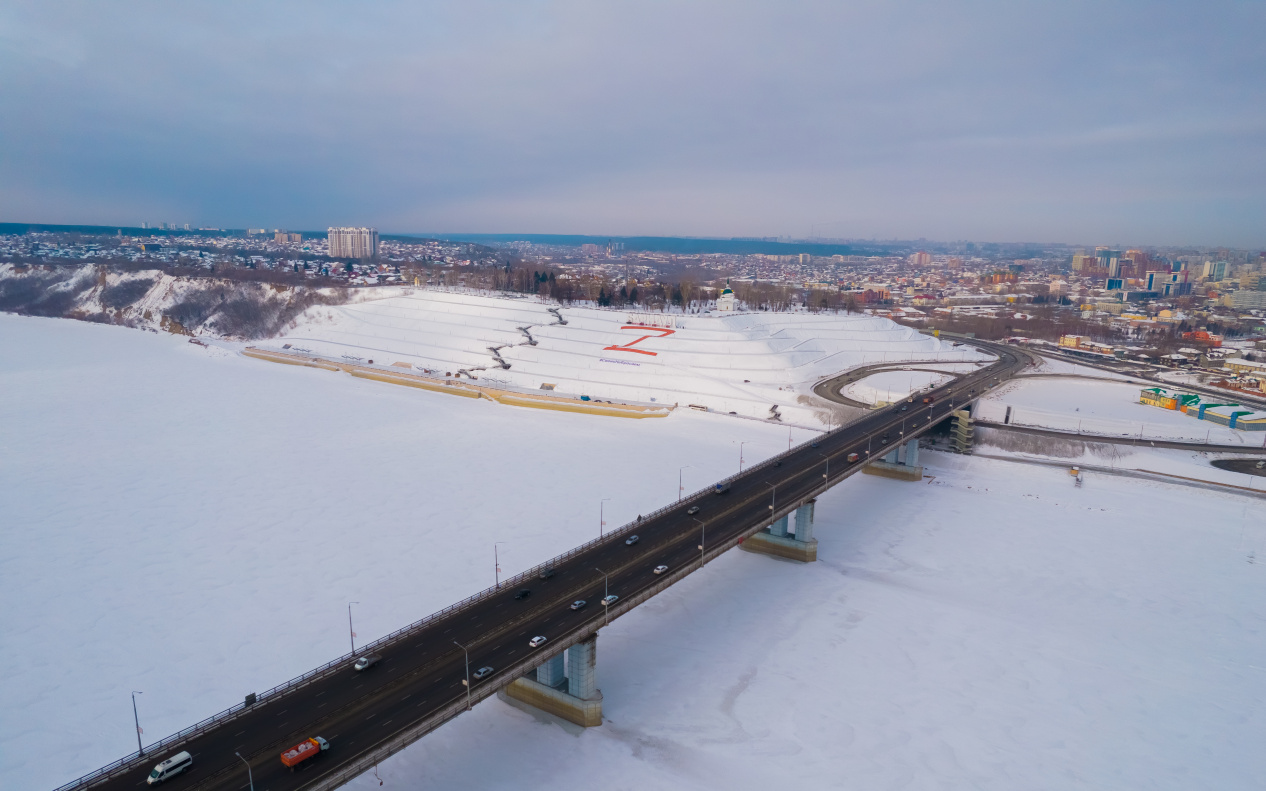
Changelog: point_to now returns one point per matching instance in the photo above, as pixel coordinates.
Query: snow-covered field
(889, 386)
(992, 627)
(744, 363)
(1106, 408)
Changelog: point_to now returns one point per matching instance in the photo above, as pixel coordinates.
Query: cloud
(1076, 121)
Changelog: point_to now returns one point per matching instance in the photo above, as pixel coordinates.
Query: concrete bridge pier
(902, 463)
(574, 696)
(777, 541)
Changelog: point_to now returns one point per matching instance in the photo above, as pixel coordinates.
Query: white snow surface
(890, 386)
(992, 627)
(743, 363)
(1100, 407)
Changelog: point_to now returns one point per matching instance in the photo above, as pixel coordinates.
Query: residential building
(353, 242)
(1249, 300)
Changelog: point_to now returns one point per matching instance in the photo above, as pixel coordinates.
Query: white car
(660, 569)
(578, 604)
(630, 541)
(482, 673)
(609, 600)
(538, 641)
(367, 661)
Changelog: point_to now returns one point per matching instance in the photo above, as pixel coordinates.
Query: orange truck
(304, 750)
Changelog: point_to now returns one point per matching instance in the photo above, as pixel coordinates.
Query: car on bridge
(607, 601)
(547, 574)
(578, 604)
(170, 768)
(692, 510)
(482, 673)
(852, 457)
(538, 641)
(660, 569)
(523, 593)
(367, 661)
(631, 540)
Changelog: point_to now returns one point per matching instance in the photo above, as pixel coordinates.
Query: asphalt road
(422, 673)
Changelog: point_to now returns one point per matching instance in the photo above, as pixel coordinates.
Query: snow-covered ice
(190, 523)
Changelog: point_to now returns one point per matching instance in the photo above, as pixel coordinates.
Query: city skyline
(1121, 124)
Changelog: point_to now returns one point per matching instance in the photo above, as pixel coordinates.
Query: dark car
(523, 593)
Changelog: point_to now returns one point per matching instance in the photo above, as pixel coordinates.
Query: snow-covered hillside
(752, 364)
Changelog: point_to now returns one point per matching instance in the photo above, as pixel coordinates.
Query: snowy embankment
(1106, 408)
(752, 364)
(191, 524)
(231, 306)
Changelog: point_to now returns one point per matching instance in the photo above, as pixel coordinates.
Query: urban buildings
(353, 242)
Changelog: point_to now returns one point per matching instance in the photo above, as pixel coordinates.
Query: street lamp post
(703, 535)
(602, 519)
(136, 718)
(467, 653)
(826, 477)
(606, 591)
(496, 566)
(351, 634)
(773, 498)
(741, 444)
(681, 488)
(250, 778)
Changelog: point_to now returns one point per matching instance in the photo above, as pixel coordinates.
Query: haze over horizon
(1078, 122)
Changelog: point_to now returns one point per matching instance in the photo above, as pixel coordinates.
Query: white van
(170, 768)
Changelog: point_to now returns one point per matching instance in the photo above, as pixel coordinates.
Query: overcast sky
(1087, 122)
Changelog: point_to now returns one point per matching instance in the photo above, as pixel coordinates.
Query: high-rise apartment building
(1109, 260)
(285, 237)
(1215, 270)
(920, 258)
(353, 242)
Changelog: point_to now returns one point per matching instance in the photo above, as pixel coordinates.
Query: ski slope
(752, 364)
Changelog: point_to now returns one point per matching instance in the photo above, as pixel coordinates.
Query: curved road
(418, 685)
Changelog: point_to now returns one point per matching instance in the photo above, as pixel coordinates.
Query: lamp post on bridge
(741, 444)
(250, 778)
(680, 488)
(496, 566)
(136, 718)
(703, 535)
(350, 632)
(773, 499)
(606, 591)
(826, 477)
(467, 653)
(602, 519)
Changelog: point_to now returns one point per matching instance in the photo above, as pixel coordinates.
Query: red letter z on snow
(628, 347)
